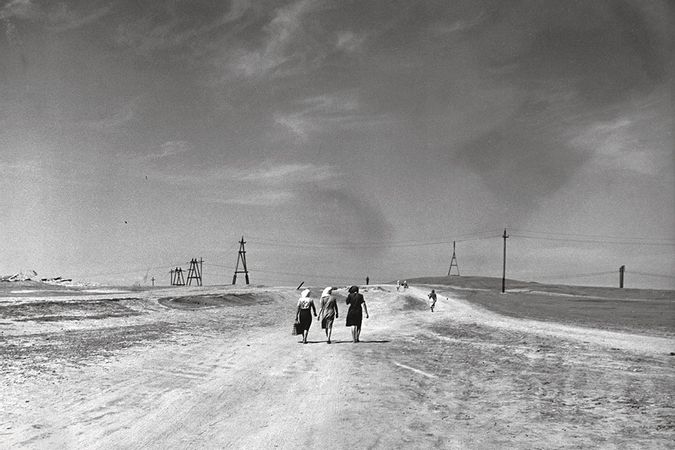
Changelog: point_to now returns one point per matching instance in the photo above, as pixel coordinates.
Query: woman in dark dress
(354, 314)
(304, 313)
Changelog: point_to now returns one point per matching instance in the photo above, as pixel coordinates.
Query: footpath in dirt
(217, 367)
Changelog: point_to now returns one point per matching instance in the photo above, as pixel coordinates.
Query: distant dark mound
(464, 282)
(495, 284)
(213, 301)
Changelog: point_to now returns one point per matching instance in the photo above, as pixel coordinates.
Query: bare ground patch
(213, 300)
(517, 389)
(52, 311)
(45, 353)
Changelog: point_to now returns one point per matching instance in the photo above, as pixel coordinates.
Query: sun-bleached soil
(217, 367)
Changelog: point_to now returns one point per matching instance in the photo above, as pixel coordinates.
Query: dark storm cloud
(342, 216)
(601, 53)
(520, 164)
(568, 65)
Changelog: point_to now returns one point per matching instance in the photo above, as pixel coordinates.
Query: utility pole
(177, 277)
(505, 236)
(453, 261)
(194, 272)
(622, 270)
(241, 257)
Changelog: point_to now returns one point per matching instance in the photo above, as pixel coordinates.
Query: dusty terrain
(217, 367)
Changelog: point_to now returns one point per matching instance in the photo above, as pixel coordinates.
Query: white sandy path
(251, 389)
(465, 312)
(254, 389)
(206, 394)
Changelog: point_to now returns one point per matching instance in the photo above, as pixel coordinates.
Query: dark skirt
(305, 319)
(354, 317)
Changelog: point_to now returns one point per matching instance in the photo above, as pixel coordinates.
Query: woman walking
(304, 315)
(354, 314)
(328, 312)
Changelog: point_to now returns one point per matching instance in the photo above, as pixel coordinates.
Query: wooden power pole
(453, 261)
(177, 277)
(195, 272)
(505, 236)
(622, 270)
(241, 257)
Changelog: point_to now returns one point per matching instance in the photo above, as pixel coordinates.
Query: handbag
(297, 328)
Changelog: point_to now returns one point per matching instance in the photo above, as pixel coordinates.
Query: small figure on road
(367, 280)
(432, 297)
(304, 315)
(405, 284)
(398, 285)
(328, 311)
(354, 314)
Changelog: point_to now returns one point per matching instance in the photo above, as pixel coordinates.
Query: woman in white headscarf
(304, 315)
(328, 311)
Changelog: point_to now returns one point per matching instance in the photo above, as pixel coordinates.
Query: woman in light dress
(328, 312)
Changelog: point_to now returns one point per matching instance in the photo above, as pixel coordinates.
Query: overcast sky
(340, 138)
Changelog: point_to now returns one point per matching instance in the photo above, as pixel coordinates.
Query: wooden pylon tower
(195, 272)
(241, 257)
(177, 277)
(453, 261)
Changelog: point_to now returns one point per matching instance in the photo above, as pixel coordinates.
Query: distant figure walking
(354, 314)
(432, 297)
(304, 315)
(328, 312)
(367, 280)
(398, 285)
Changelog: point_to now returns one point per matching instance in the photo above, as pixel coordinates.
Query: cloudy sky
(340, 138)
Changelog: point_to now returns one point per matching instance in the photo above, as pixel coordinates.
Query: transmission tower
(241, 257)
(177, 277)
(195, 272)
(453, 261)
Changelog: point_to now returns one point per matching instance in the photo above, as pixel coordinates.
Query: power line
(307, 274)
(594, 241)
(667, 241)
(658, 275)
(140, 269)
(365, 245)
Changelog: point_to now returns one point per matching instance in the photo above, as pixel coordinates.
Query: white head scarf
(326, 292)
(305, 293)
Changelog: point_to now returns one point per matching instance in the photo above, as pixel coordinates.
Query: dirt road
(218, 368)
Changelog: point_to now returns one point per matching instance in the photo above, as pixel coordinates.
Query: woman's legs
(329, 331)
(353, 333)
(304, 336)
(358, 333)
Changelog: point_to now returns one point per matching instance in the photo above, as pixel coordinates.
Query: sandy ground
(217, 367)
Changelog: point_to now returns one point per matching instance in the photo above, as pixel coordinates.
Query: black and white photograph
(323, 224)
